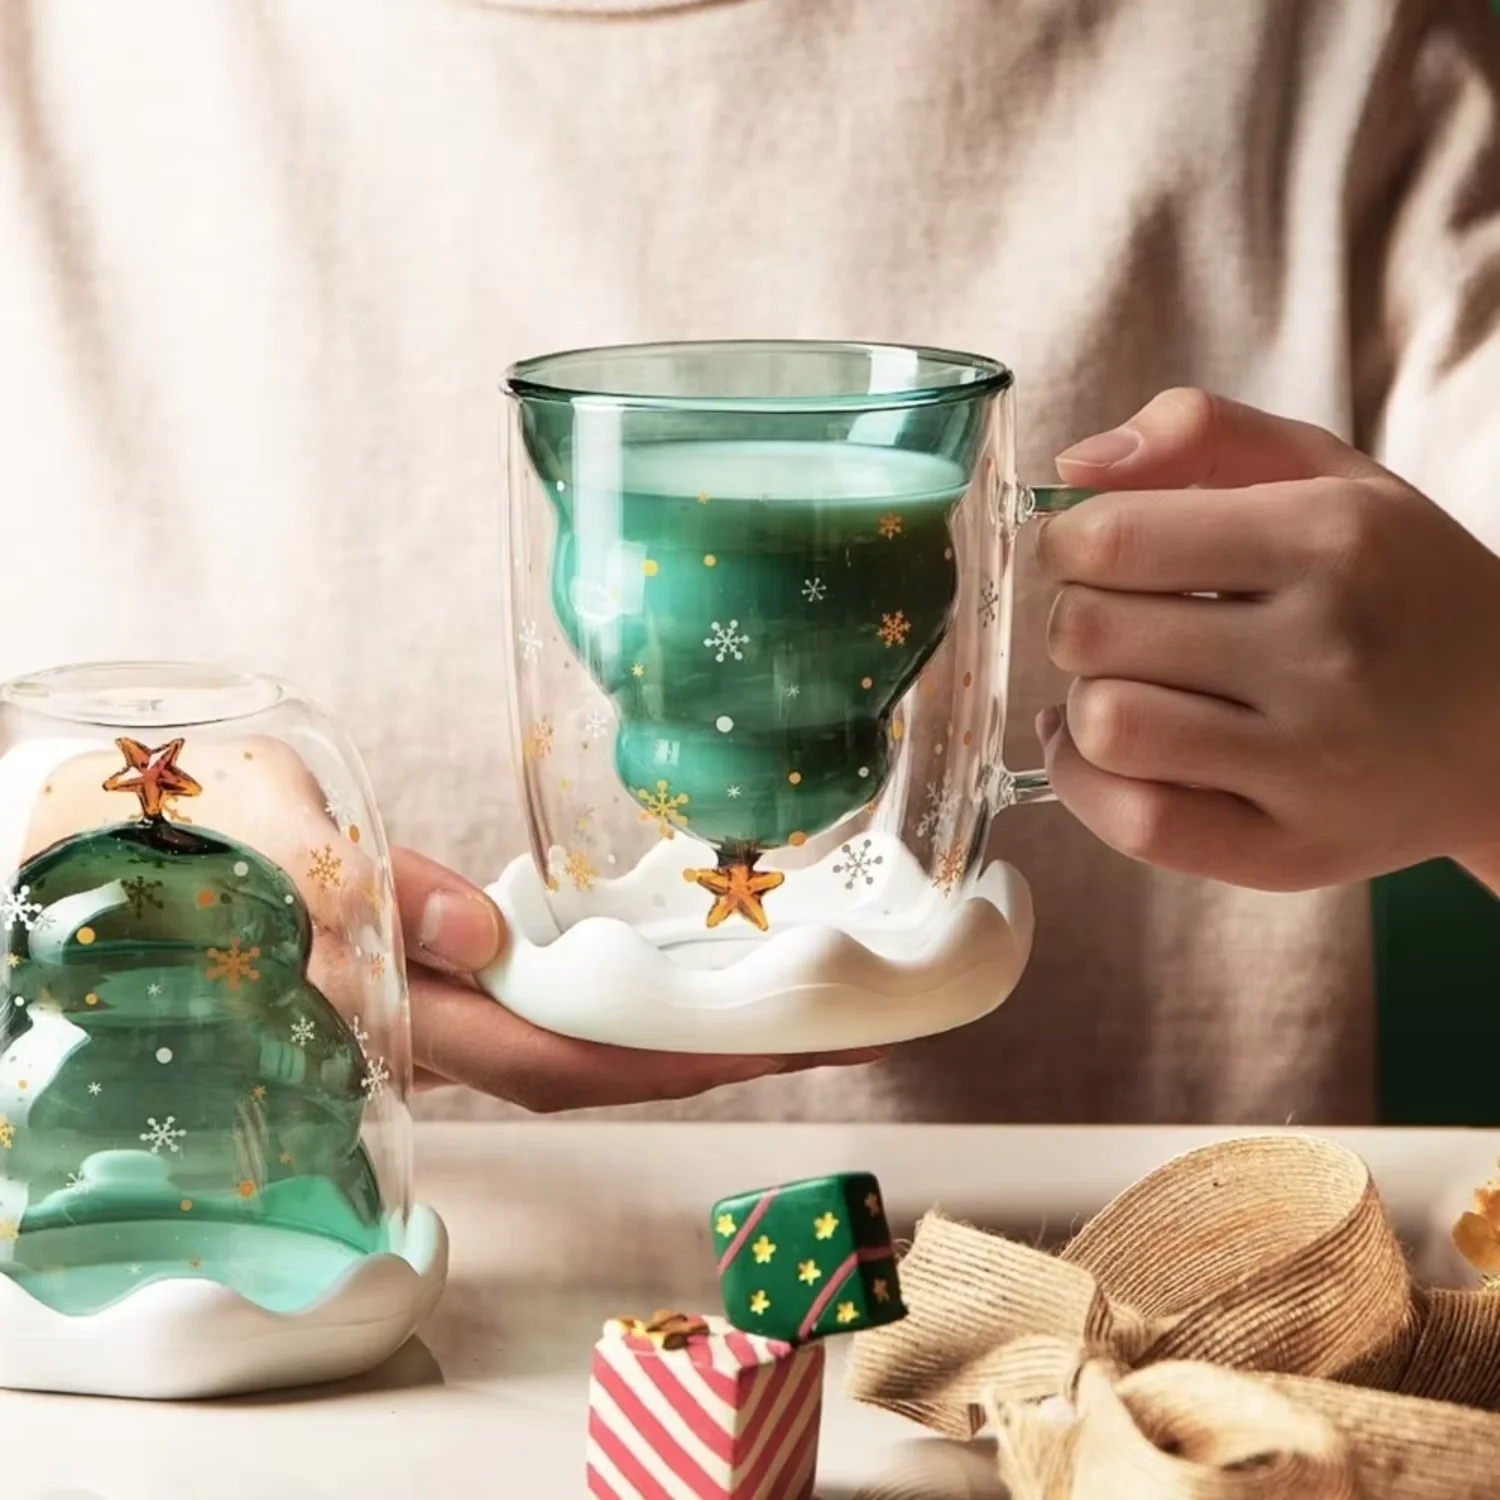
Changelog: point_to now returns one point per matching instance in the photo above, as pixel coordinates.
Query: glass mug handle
(1030, 503)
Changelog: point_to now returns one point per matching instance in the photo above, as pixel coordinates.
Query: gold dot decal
(91, 998)
(898, 730)
(354, 833)
(795, 778)
(247, 1189)
(867, 683)
(651, 567)
(710, 561)
(186, 1205)
(798, 839)
(205, 898)
(85, 935)
(968, 736)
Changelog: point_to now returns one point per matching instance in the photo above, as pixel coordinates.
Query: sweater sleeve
(1425, 206)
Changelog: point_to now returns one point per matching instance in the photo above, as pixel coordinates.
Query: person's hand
(1329, 714)
(452, 931)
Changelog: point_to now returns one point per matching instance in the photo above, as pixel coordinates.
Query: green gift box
(807, 1259)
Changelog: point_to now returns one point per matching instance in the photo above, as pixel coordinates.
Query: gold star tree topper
(153, 775)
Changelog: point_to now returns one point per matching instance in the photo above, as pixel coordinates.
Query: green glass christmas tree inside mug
(778, 567)
(754, 580)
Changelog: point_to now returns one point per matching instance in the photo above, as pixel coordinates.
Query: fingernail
(1103, 450)
(1048, 722)
(748, 1068)
(461, 932)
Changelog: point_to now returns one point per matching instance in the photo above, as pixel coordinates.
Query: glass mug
(759, 595)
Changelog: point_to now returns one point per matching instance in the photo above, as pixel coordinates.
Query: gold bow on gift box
(1240, 1325)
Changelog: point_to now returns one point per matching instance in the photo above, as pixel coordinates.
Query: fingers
(1188, 437)
(446, 921)
(1150, 733)
(1178, 828)
(1213, 646)
(1183, 542)
(465, 1037)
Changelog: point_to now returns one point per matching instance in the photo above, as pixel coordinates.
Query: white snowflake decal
(96, 1089)
(989, 602)
(731, 791)
(163, 1134)
(814, 590)
(530, 641)
(75, 1179)
(857, 864)
(792, 690)
(361, 1036)
(341, 811)
(154, 990)
(303, 1032)
(595, 723)
(377, 1075)
(726, 640)
(942, 808)
(18, 909)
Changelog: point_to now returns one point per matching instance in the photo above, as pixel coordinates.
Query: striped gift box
(723, 1415)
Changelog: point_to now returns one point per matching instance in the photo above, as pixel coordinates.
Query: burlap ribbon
(1241, 1324)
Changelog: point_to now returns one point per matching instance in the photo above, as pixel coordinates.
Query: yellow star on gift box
(724, 1224)
(808, 1271)
(847, 1312)
(759, 1302)
(824, 1225)
(882, 1289)
(762, 1250)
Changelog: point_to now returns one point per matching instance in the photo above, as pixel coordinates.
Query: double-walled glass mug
(759, 600)
(205, 1046)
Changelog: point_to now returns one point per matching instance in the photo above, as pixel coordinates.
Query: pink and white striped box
(709, 1414)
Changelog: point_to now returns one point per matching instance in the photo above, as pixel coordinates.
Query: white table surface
(557, 1227)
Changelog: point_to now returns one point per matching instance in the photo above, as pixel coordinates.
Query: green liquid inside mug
(755, 554)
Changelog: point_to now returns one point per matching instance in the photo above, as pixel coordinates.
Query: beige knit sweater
(261, 262)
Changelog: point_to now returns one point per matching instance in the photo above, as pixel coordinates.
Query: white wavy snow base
(190, 1338)
(846, 964)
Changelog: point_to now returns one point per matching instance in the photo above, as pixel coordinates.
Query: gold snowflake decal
(807, 1270)
(890, 526)
(7, 1134)
(847, 1312)
(824, 1225)
(539, 741)
(12, 960)
(893, 629)
(326, 869)
(759, 1303)
(376, 965)
(10, 1231)
(580, 870)
(950, 870)
(662, 808)
(762, 1250)
(724, 1224)
(233, 964)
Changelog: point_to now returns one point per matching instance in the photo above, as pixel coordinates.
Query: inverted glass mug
(759, 600)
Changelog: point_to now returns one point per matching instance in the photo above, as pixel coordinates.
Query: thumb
(446, 922)
(1187, 438)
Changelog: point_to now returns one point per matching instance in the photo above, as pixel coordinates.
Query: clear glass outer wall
(758, 604)
(204, 1040)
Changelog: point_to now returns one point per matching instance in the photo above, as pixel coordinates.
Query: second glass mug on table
(759, 600)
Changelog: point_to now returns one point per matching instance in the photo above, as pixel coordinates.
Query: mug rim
(527, 379)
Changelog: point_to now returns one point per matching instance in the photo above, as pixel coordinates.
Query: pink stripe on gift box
(836, 1283)
(682, 1401)
(769, 1463)
(629, 1467)
(656, 1437)
(737, 1244)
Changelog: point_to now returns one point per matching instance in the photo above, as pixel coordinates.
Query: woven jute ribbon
(1240, 1325)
